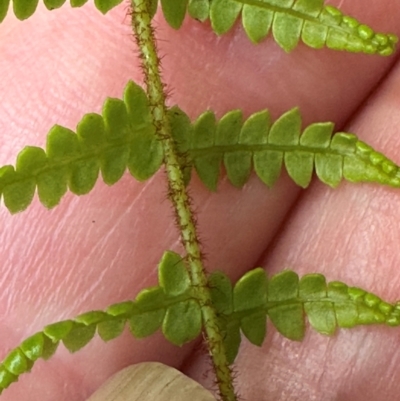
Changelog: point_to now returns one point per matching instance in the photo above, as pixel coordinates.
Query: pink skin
(103, 248)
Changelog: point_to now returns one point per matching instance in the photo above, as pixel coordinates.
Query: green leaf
(228, 128)
(312, 286)
(199, 9)
(4, 5)
(6, 378)
(91, 133)
(284, 298)
(223, 14)
(314, 34)
(53, 4)
(344, 143)
(283, 286)
(58, 331)
(238, 167)
(33, 346)
(123, 137)
(338, 291)
(16, 362)
(137, 105)
(19, 185)
(49, 348)
(91, 139)
(346, 314)
(174, 11)
(254, 327)
(145, 324)
(38, 346)
(151, 298)
(146, 155)
(221, 292)
(256, 128)
(367, 165)
(62, 145)
(31, 160)
(52, 185)
(232, 340)
(257, 22)
(268, 165)
(110, 329)
(337, 157)
(106, 5)
(320, 313)
(113, 164)
(250, 290)
(288, 320)
(316, 24)
(92, 317)
(23, 9)
(172, 274)
(146, 152)
(182, 322)
(287, 317)
(321, 316)
(207, 164)
(208, 169)
(182, 132)
(309, 7)
(18, 190)
(286, 129)
(149, 307)
(152, 7)
(329, 168)
(299, 166)
(83, 176)
(116, 119)
(78, 3)
(122, 309)
(337, 39)
(181, 129)
(286, 29)
(317, 135)
(368, 315)
(204, 130)
(78, 336)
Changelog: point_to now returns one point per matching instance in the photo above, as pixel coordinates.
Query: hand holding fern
(232, 75)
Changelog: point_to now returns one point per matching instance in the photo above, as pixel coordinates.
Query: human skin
(103, 248)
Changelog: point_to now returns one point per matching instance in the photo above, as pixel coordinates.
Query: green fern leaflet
(265, 146)
(290, 21)
(173, 308)
(286, 300)
(123, 137)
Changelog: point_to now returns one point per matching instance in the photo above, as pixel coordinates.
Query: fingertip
(150, 381)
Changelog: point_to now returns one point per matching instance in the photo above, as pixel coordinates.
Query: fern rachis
(253, 199)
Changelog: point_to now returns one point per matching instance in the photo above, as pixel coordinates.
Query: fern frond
(123, 137)
(311, 21)
(174, 307)
(265, 147)
(286, 299)
(24, 9)
(170, 306)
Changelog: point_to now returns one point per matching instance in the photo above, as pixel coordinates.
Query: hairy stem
(144, 35)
